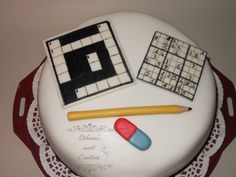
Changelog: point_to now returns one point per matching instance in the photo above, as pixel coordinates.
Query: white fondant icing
(87, 146)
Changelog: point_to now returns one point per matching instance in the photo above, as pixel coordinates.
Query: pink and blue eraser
(132, 134)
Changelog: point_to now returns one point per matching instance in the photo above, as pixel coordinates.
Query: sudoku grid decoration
(173, 64)
(87, 62)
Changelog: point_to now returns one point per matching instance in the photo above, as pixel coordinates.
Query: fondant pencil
(127, 111)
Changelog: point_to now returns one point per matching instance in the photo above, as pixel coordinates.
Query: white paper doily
(50, 162)
(200, 165)
(55, 168)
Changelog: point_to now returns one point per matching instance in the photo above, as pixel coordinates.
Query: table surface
(24, 24)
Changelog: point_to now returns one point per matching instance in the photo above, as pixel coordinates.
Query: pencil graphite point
(184, 108)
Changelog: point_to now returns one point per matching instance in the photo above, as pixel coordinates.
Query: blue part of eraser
(140, 140)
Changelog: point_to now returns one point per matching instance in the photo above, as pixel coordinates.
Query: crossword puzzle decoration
(87, 61)
(173, 64)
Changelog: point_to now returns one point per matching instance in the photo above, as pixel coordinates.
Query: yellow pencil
(127, 111)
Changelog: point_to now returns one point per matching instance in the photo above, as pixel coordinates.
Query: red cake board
(24, 90)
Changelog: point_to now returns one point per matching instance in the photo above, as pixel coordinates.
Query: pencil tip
(184, 108)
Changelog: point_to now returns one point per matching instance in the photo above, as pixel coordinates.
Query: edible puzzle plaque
(173, 65)
(87, 62)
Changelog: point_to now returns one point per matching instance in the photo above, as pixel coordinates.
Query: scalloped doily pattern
(200, 165)
(50, 162)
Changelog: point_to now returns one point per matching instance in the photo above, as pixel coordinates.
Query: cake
(92, 147)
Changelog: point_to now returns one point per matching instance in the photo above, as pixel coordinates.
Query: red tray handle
(22, 102)
(230, 120)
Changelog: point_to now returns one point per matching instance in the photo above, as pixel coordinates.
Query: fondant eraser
(132, 134)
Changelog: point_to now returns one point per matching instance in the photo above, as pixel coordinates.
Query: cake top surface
(95, 145)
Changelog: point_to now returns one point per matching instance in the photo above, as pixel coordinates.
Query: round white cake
(93, 148)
